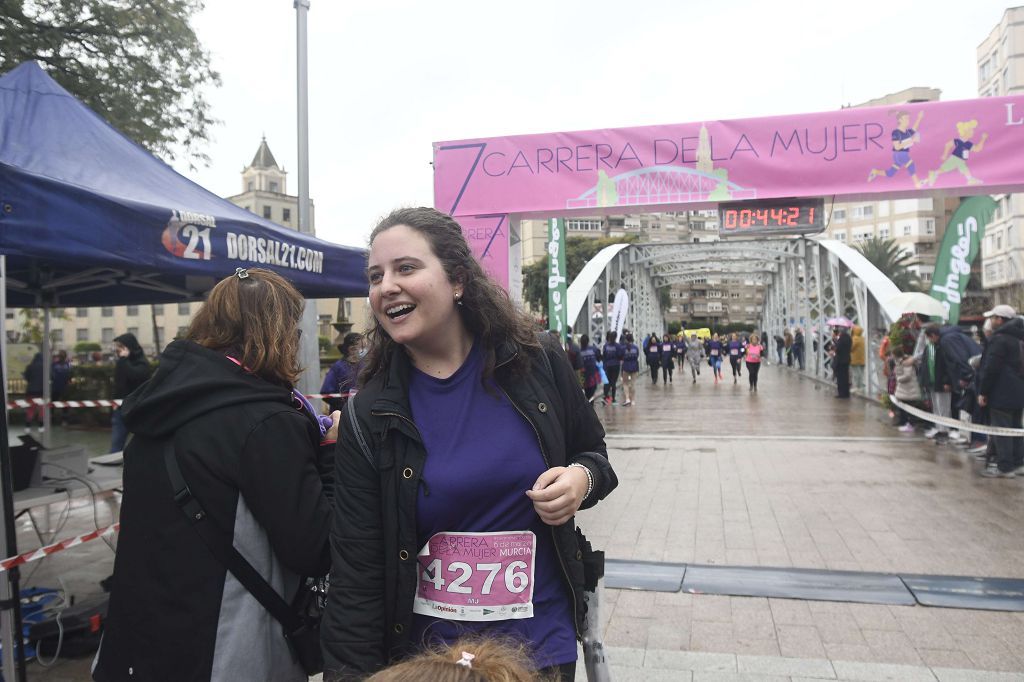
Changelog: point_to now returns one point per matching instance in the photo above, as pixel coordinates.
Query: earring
(458, 299)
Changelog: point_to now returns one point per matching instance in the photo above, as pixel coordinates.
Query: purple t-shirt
(961, 148)
(482, 457)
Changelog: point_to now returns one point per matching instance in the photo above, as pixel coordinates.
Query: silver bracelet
(590, 478)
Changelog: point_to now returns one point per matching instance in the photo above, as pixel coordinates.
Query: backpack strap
(350, 411)
(225, 552)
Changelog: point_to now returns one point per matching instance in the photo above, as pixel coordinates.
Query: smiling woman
(462, 409)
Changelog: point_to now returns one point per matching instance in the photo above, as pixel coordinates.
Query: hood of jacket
(857, 331)
(1014, 328)
(190, 381)
(132, 344)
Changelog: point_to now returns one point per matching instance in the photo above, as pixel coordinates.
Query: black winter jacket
(132, 371)
(844, 344)
(953, 352)
(1002, 377)
(373, 532)
(250, 458)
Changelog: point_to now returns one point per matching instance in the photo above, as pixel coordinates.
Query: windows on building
(107, 311)
(81, 335)
(859, 212)
(883, 233)
(57, 336)
(273, 187)
(583, 225)
(81, 312)
(134, 331)
(248, 187)
(839, 215)
(286, 215)
(158, 308)
(132, 311)
(183, 309)
(181, 332)
(907, 230)
(841, 236)
(107, 335)
(929, 226)
(266, 212)
(985, 71)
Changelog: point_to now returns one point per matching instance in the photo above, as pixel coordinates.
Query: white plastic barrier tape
(956, 423)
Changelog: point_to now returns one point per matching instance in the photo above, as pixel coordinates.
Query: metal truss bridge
(806, 281)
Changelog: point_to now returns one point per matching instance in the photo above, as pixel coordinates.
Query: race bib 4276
(477, 576)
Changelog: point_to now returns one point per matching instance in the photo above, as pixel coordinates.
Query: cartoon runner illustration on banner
(903, 138)
(961, 148)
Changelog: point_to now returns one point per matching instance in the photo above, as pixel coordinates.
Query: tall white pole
(309, 347)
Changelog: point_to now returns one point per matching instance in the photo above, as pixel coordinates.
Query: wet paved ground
(789, 477)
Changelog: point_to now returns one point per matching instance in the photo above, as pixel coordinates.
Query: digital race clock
(771, 216)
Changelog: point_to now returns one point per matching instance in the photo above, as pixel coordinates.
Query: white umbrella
(916, 302)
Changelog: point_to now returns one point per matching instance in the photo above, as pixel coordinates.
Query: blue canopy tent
(87, 217)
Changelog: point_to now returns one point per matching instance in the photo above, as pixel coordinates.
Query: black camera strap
(224, 551)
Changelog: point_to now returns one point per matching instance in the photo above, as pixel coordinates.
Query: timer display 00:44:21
(781, 216)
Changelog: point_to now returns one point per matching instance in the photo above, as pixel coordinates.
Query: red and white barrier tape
(42, 552)
(29, 402)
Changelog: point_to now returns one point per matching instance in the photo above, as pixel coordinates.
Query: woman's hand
(332, 433)
(558, 494)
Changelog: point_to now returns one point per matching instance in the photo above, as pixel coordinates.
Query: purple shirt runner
(482, 457)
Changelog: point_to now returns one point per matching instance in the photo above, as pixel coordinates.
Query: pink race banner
(967, 147)
(488, 238)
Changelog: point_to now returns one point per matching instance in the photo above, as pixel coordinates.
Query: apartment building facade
(1000, 61)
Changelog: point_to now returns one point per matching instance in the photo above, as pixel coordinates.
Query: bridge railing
(827, 280)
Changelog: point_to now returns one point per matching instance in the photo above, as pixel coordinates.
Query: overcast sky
(388, 78)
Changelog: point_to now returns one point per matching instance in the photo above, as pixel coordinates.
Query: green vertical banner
(959, 248)
(557, 303)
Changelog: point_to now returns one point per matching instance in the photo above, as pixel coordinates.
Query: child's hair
(467, 660)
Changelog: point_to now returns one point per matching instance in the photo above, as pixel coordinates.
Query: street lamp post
(309, 346)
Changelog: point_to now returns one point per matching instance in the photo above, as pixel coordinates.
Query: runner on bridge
(630, 368)
(753, 353)
(667, 358)
(694, 355)
(715, 350)
(652, 354)
(736, 356)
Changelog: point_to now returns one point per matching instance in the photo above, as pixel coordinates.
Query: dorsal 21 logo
(187, 235)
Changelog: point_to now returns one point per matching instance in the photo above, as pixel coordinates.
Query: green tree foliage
(578, 251)
(32, 324)
(885, 255)
(137, 64)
